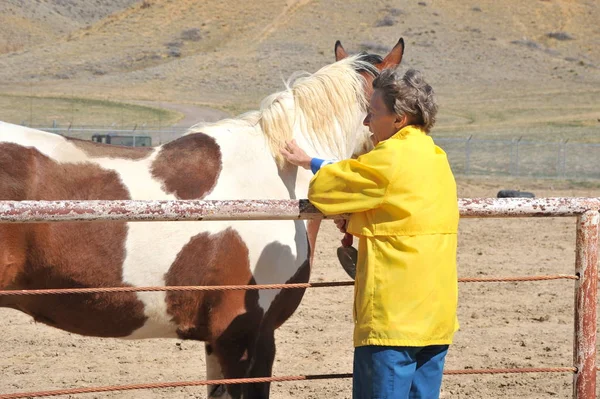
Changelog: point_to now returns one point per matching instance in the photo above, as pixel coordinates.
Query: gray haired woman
(402, 199)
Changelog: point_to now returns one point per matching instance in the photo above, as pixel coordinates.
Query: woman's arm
(296, 156)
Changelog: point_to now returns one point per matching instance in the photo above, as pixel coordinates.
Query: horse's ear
(394, 58)
(340, 53)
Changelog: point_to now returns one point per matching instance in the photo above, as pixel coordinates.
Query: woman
(402, 197)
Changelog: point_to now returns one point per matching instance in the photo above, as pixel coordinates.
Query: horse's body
(231, 159)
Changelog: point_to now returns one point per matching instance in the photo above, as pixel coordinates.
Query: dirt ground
(502, 324)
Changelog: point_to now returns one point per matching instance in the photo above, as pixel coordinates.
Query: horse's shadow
(255, 350)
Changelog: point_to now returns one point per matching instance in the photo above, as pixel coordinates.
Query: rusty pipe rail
(216, 210)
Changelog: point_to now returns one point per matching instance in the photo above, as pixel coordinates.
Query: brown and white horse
(231, 159)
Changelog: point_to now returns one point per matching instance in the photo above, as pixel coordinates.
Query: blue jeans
(398, 372)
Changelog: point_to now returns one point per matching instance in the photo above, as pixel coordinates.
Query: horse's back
(41, 166)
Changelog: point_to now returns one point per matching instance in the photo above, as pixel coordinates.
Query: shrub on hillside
(192, 35)
(559, 36)
(385, 21)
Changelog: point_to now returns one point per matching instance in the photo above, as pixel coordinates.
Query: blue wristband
(317, 163)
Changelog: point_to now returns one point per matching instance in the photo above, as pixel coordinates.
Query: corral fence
(522, 158)
(468, 156)
(158, 134)
(587, 211)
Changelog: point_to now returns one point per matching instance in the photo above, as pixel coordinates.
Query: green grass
(589, 184)
(235, 109)
(65, 111)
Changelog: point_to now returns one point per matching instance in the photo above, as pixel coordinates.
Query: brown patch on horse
(65, 255)
(210, 259)
(99, 150)
(15, 162)
(189, 166)
(15, 178)
(12, 254)
(227, 320)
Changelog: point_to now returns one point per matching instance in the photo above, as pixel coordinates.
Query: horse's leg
(261, 363)
(214, 372)
(233, 327)
(232, 354)
(262, 353)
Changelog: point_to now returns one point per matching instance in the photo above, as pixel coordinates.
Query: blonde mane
(320, 104)
(323, 103)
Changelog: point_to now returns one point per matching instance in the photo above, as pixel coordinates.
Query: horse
(230, 159)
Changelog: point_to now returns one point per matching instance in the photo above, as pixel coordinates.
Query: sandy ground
(502, 324)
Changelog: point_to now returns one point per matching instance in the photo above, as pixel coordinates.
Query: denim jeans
(398, 372)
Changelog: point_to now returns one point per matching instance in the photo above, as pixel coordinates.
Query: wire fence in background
(468, 156)
(522, 158)
(138, 136)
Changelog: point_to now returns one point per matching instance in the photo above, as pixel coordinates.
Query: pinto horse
(230, 159)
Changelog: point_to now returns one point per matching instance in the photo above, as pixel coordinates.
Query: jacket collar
(410, 130)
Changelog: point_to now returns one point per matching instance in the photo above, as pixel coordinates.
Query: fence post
(563, 165)
(558, 164)
(517, 156)
(584, 342)
(468, 156)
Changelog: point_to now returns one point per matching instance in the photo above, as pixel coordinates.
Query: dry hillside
(514, 65)
(28, 23)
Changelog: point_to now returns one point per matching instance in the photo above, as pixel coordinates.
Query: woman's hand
(295, 155)
(340, 224)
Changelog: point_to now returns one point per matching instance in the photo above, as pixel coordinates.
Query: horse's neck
(301, 182)
(314, 150)
(340, 140)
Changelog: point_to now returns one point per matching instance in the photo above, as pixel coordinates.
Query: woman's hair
(409, 95)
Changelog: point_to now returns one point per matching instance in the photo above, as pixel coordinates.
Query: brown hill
(27, 23)
(496, 65)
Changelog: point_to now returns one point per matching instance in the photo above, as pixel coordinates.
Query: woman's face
(382, 122)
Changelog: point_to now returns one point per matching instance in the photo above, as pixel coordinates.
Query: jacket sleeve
(352, 185)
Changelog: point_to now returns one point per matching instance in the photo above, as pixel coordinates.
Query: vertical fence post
(559, 156)
(517, 156)
(468, 156)
(513, 156)
(564, 158)
(584, 343)
(134, 134)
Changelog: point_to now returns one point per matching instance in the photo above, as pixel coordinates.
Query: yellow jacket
(402, 196)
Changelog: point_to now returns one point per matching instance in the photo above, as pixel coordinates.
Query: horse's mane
(322, 103)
